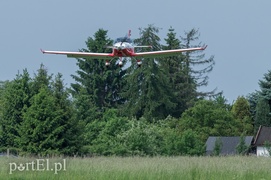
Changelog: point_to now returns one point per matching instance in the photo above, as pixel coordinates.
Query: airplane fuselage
(123, 50)
(123, 47)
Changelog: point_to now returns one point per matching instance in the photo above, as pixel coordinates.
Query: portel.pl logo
(38, 165)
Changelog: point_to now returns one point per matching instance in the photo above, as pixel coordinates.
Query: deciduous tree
(207, 118)
(242, 114)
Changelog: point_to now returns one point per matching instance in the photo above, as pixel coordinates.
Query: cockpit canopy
(123, 39)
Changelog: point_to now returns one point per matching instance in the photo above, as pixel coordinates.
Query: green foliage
(196, 59)
(39, 130)
(41, 80)
(267, 145)
(161, 87)
(165, 86)
(240, 108)
(261, 102)
(217, 147)
(262, 116)
(14, 101)
(72, 128)
(102, 135)
(242, 147)
(48, 125)
(221, 102)
(37, 116)
(172, 144)
(2, 90)
(207, 118)
(241, 111)
(265, 86)
(253, 99)
(191, 143)
(144, 138)
(96, 85)
(181, 83)
(113, 135)
(147, 91)
(147, 111)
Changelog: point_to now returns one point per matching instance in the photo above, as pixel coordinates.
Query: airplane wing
(164, 53)
(80, 54)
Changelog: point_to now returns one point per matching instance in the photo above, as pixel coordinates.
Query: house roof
(229, 144)
(263, 134)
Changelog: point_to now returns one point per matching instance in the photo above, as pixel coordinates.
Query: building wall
(262, 151)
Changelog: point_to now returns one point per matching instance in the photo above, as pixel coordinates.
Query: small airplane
(123, 47)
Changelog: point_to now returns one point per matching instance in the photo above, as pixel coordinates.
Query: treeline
(153, 110)
(37, 116)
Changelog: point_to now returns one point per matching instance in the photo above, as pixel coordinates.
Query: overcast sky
(237, 32)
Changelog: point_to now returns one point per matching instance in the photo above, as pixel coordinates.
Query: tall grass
(147, 168)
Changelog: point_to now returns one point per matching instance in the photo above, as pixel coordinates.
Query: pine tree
(15, 100)
(265, 87)
(253, 99)
(41, 79)
(97, 85)
(263, 102)
(48, 125)
(2, 90)
(40, 129)
(181, 83)
(2, 87)
(147, 90)
(196, 58)
(262, 116)
(65, 111)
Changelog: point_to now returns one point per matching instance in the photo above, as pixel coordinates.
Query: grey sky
(237, 32)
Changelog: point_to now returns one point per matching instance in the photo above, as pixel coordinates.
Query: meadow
(232, 167)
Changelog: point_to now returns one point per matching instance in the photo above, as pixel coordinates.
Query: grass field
(186, 168)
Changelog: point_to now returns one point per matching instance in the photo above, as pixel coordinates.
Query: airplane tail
(129, 34)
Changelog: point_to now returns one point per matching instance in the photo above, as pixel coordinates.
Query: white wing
(167, 52)
(80, 54)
